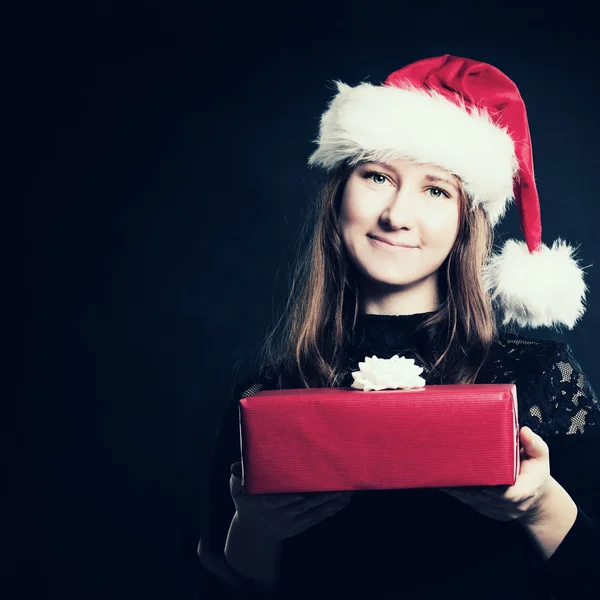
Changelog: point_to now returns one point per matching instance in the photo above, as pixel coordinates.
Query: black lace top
(423, 543)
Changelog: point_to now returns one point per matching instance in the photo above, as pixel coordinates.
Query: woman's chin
(394, 281)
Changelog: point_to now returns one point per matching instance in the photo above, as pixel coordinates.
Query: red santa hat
(467, 117)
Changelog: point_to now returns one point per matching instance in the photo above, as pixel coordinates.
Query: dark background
(160, 158)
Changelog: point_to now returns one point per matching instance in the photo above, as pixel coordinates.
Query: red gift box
(333, 439)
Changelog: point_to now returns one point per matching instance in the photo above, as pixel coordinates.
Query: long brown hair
(308, 341)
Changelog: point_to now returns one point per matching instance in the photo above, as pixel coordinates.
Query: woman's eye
(375, 177)
(439, 192)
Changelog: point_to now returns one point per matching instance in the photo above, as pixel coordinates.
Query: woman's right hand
(281, 516)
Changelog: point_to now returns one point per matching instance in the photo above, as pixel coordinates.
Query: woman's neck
(383, 335)
(417, 298)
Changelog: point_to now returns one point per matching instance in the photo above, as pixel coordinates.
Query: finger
(235, 482)
(320, 499)
(303, 519)
(235, 486)
(278, 500)
(461, 491)
(309, 499)
(496, 491)
(452, 491)
(476, 498)
(476, 491)
(534, 445)
(526, 482)
(312, 512)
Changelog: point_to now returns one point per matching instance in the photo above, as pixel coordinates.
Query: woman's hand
(280, 516)
(524, 499)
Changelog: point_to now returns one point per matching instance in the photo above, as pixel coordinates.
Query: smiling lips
(381, 241)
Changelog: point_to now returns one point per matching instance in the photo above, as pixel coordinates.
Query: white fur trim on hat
(378, 123)
(540, 289)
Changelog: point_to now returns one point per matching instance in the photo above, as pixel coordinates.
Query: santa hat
(467, 117)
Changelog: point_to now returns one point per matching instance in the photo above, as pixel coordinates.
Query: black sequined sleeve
(219, 506)
(226, 450)
(572, 411)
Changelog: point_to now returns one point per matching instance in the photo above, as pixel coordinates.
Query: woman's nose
(400, 212)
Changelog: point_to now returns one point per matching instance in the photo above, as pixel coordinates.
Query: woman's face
(416, 205)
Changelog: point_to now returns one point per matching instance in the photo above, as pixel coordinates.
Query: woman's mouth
(389, 247)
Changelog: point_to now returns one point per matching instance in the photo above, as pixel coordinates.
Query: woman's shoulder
(555, 395)
(249, 385)
(530, 356)
(511, 341)
(262, 379)
(526, 353)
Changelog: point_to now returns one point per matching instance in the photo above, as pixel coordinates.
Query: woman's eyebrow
(436, 179)
(377, 163)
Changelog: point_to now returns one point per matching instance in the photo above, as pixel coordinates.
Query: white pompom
(543, 289)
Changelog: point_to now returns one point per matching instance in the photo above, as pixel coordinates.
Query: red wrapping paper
(334, 439)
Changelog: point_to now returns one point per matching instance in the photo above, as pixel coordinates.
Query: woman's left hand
(524, 499)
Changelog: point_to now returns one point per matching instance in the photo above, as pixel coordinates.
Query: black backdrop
(161, 156)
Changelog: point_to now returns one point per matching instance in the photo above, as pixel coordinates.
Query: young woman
(418, 172)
